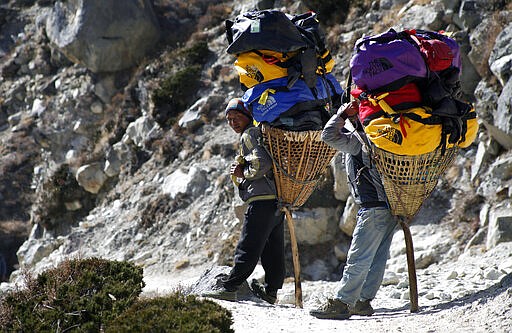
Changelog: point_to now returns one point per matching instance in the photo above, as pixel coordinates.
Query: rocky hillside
(113, 141)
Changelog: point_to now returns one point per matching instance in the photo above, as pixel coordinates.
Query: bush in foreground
(97, 295)
(172, 314)
(77, 296)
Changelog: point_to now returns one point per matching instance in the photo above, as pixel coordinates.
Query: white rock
(506, 266)
(347, 221)
(193, 182)
(71, 155)
(14, 119)
(390, 278)
(340, 251)
(395, 294)
(140, 130)
(91, 177)
(73, 205)
(96, 108)
(38, 107)
(314, 226)
(445, 297)
(403, 284)
(80, 127)
(492, 274)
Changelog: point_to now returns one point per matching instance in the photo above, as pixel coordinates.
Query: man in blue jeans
(262, 234)
(369, 250)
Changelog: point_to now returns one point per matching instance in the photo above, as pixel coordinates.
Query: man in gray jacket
(263, 229)
(369, 249)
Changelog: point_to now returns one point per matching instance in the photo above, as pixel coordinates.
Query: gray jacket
(365, 182)
(258, 182)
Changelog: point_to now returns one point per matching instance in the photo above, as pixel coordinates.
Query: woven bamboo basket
(299, 160)
(409, 180)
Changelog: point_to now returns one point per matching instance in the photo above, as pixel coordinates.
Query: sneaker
(332, 309)
(362, 308)
(222, 294)
(260, 292)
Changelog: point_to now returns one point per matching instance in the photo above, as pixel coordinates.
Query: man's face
(237, 121)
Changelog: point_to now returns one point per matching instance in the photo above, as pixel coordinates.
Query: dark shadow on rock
(209, 280)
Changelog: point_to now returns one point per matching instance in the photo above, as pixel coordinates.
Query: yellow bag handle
(381, 102)
(264, 96)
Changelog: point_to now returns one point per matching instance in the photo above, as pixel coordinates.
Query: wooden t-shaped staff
(408, 182)
(295, 258)
(299, 159)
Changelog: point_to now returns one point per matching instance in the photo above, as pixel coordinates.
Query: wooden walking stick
(295, 257)
(411, 265)
(408, 182)
(299, 159)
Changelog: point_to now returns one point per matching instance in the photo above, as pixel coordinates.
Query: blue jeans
(369, 251)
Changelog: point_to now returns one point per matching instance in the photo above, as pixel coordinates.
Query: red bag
(438, 54)
(370, 105)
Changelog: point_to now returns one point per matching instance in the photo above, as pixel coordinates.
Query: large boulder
(103, 35)
(482, 41)
(500, 59)
(502, 116)
(500, 225)
(91, 177)
(315, 226)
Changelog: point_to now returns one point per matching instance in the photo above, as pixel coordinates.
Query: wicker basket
(409, 180)
(299, 160)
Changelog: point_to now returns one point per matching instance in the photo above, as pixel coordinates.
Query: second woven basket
(299, 160)
(409, 180)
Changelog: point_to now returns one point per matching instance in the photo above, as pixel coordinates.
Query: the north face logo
(391, 134)
(377, 66)
(268, 106)
(254, 73)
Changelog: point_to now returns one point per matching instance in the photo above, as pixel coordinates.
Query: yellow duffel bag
(399, 134)
(259, 66)
(415, 132)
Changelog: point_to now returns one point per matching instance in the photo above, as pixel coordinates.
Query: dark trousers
(262, 238)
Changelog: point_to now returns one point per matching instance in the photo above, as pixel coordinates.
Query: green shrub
(49, 209)
(181, 80)
(175, 94)
(174, 313)
(197, 54)
(78, 295)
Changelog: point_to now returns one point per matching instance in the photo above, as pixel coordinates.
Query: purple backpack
(388, 61)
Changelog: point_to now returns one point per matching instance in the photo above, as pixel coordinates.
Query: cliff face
(131, 164)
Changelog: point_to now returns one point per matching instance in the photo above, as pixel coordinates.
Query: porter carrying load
(285, 73)
(409, 91)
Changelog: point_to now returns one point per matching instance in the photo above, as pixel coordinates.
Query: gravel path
(469, 292)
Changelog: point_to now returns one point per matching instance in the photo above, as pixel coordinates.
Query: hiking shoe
(260, 292)
(332, 309)
(362, 308)
(222, 294)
